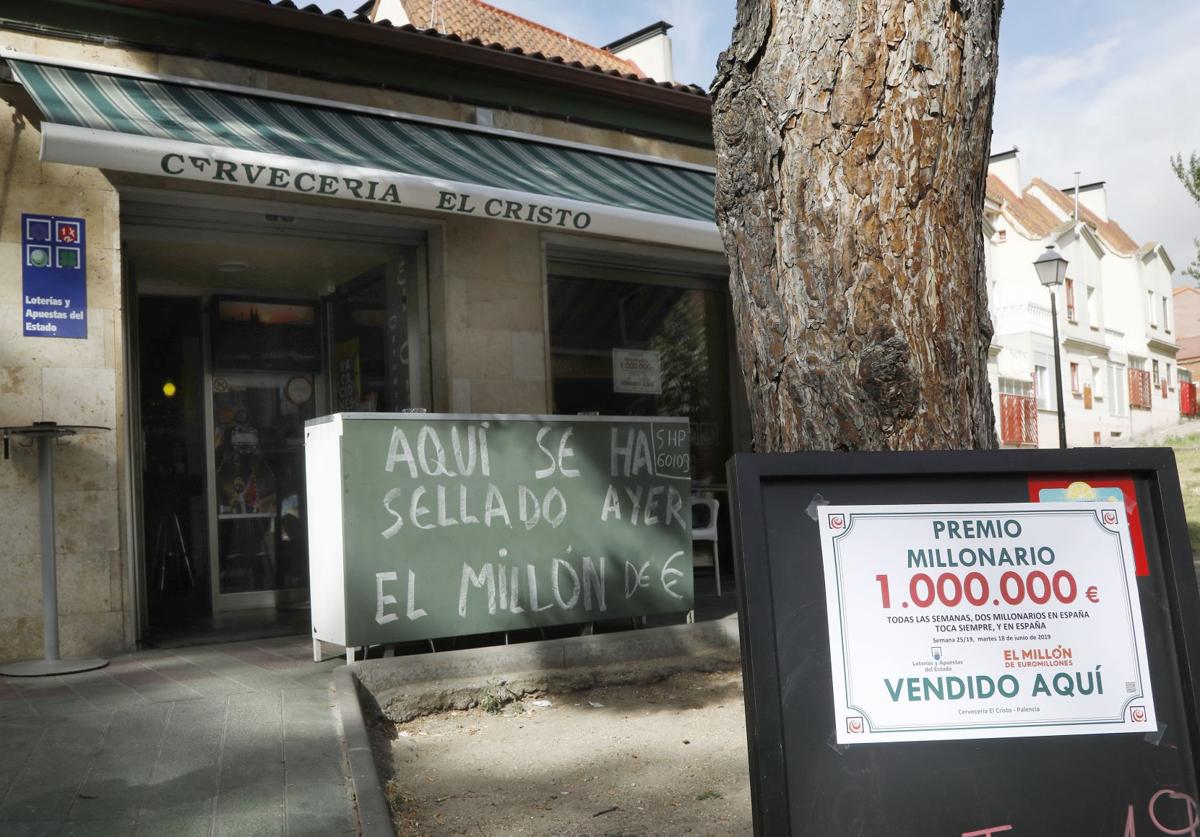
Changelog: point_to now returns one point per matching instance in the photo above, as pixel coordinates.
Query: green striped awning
(241, 136)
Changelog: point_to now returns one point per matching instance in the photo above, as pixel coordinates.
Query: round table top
(50, 428)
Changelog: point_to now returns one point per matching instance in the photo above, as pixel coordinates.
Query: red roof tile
(1110, 231)
(1027, 211)
(361, 15)
(476, 20)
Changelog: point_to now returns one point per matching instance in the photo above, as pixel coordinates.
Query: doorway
(174, 470)
(240, 339)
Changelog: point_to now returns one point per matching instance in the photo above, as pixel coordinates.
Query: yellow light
(169, 389)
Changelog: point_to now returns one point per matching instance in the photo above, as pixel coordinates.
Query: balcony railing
(1018, 420)
(1187, 399)
(1139, 389)
(1012, 319)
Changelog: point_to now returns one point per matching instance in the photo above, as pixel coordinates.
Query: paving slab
(237, 739)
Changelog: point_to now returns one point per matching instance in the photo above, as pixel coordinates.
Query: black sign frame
(771, 495)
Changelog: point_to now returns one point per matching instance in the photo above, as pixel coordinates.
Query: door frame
(158, 214)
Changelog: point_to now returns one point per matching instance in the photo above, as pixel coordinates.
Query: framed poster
(863, 718)
(637, 372)
(985, 620)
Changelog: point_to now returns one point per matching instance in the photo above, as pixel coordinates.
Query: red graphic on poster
(1057, 489)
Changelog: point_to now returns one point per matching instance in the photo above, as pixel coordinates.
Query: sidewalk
(239, 739)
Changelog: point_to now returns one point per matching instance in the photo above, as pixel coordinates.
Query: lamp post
(1051, 269)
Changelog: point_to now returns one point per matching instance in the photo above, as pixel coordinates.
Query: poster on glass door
(637, 372)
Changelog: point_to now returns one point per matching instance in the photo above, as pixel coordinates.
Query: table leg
(50, 664)
(45, 445)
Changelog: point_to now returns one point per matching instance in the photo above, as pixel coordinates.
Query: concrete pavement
(239, 739)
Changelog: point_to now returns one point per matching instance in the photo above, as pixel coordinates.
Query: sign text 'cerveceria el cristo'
(364, 188)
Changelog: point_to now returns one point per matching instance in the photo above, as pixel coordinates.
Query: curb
(550, 655)
(374, 816)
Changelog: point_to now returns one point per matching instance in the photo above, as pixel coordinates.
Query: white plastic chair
(708, 532)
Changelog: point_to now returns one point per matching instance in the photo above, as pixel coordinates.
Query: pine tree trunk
(852, 142)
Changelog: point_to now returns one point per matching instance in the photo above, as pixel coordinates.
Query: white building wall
(1159, 315)
(1118, 317)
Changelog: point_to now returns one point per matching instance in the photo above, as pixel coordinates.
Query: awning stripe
(115, 103)
(253, 123)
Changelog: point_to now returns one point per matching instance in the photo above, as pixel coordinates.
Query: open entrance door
(174, 515)
(238, 336)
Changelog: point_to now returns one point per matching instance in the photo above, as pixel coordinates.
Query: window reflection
(644, 349)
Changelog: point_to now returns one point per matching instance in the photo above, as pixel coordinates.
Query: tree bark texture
(852, 142)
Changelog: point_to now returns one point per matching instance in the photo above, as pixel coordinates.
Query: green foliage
(684, 355)
(1187, 460)
(708, 794)
(1188, 442)
(1189, 175)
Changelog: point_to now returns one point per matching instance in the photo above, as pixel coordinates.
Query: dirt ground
(613, 761)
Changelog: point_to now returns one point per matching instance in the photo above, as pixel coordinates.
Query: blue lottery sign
(54, 276)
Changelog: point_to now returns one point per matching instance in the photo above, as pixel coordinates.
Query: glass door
(258, 443)
(262, 390)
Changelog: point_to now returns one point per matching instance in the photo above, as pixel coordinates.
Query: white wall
(1108, 333)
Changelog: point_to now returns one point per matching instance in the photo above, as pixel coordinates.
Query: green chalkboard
(425, 526)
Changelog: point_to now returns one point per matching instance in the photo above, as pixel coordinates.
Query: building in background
(277, 213)
(1187, 335)
(1116, 317)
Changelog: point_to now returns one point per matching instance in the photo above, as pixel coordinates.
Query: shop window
(371, 323)
(643, 348)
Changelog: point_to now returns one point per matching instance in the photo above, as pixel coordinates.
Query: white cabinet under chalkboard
(424, 526)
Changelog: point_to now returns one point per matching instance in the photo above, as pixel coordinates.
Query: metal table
(46, 433)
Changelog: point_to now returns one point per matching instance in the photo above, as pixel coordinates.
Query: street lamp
(1051, 269)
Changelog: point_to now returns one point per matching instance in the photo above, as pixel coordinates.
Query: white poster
(637, 372)
(995, 620)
